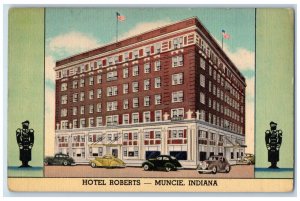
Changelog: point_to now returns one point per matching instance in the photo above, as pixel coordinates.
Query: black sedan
(162, 162)
(59, 159)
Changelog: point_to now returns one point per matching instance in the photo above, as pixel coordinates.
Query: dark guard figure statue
(273, 141)
(25, 140)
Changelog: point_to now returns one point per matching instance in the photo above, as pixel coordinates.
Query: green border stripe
(26, 85)
(275, 87)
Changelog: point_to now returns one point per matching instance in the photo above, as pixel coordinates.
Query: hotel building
(170, 91)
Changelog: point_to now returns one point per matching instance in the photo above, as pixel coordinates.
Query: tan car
(107, 161)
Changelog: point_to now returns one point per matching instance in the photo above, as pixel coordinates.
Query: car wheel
(227, 168)
(146, 167)
(93, 165)
(168, 168)
(65, 163)
(214, 170)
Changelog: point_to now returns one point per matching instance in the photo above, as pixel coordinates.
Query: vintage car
(213, 165)
(162, 162)
(108, 161)
(59, 159)
(248, 159)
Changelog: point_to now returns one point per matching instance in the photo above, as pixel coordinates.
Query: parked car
(214, 164)
(248, 159)
(59, 159)
(162, 162)
(108, 161)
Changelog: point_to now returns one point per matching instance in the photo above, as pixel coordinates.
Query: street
(238, 171)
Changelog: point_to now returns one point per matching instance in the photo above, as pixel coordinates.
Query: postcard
(150, 99)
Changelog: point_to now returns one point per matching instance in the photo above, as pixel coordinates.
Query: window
(177, 42)
(126, 56)
(82, 82)
(99, 79)
(125, 88)
(210, 70)
(135, 118)
(147, 84)
(157, 83)
(75, 84)
(215, 74)
(157, 134)
(209, 102)
(157, 66)
(116, 59)
(124, 151)
(202, 98)
(74, 110)
(177, 78)
(64, 99)
(135, 70)
(110, 60)
(125, 118)
(75, 123)
(81, 96)
(82, 123)
(91, 80)
(146, 134)
(135, 135)
(112, 120)
(177, 113)
(157, 48)
(147, 68)
(99, 107)
(75, 97)
(157, 99)
(147, 51)
(202, 115)
(209, 86)
(64, 86)
(158, 115)
(91, 94)
(135, 54)
(91, 109)
(202, 80)
(99, 93)
(177, 61)
(112, 106)
(64, 124)
(135, 86)
(125, 136)
(135, 102)
(147, 101)
(112, 91)
(125, 104)
(99, 121)
(113, 75)
(91, 122)
(125, 73)
(63, 112)
(177, 96)
(146, 117)
(81, 109)
(202, 63)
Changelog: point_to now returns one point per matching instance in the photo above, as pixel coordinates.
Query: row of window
(177, 113)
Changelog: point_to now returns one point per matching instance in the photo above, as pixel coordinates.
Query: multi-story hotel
(170, 91)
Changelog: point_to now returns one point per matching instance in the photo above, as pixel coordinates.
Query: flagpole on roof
(117, 14)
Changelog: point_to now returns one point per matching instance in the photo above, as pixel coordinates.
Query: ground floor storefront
(190, 142)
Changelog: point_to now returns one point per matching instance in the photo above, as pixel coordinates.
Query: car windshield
(212, 158)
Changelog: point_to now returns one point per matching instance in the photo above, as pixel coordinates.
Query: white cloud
(250, 89)
(242, 58)
(145, 26)
(72, 42)
(49, 65)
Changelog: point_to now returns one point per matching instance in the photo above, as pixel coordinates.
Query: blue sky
(71, 31)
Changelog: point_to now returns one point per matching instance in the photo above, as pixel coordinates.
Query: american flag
(120, 17)
(225, 35)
